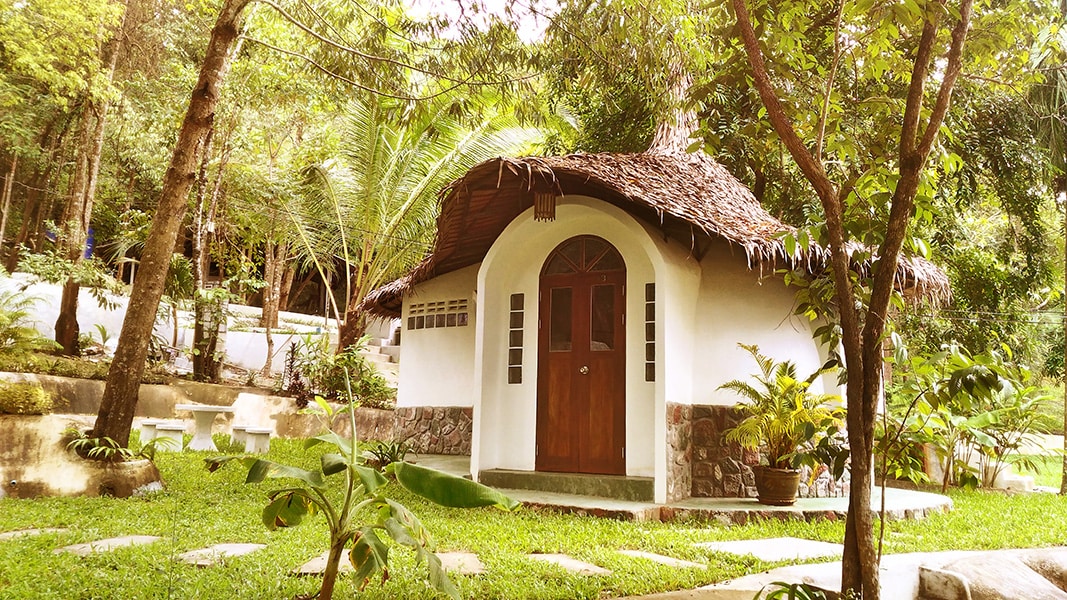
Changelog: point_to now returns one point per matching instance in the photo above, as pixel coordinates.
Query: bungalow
(577, 314)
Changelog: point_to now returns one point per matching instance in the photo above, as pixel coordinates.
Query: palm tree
(372, 209)
(780, 413)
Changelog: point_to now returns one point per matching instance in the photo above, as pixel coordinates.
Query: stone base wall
(436, 429)
(679, 451)
(721, 470)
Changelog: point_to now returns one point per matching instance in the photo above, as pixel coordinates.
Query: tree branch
(350, 50)
(830, 81)
(456, 83)
(948, 82)
(923, 57)
(811, 168)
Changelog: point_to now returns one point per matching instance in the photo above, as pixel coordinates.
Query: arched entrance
(581, 374)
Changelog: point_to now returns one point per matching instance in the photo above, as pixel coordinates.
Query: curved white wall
(505, 419)
(745, 307)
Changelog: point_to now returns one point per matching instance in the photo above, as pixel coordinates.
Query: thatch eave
(680, 193)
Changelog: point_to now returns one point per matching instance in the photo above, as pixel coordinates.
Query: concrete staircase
(385, 357)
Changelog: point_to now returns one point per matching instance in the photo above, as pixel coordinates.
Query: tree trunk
(288, 276)
(354, 325)
(861, 337)
(273, 257)
(5, 197)
(124, 377)
(1060, 185)
(79, 209)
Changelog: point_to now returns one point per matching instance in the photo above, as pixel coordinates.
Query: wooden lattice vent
(544, 206)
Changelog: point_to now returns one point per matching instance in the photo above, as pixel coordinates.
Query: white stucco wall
(440, 361)
(246, 349)
(745, 306)
(703, 309)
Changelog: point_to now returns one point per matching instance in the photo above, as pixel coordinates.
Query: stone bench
(257, 440)
(238, 434)
(148, 429)
(169, 430)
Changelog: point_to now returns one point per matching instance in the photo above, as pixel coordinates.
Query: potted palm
(784, 418)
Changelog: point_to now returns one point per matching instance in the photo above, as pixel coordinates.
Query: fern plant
(18, 336)
(780, 412)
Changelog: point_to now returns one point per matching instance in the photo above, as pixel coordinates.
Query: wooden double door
(581, 378)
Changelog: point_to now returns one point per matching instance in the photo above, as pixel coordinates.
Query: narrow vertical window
(515, 323)
(650, 332)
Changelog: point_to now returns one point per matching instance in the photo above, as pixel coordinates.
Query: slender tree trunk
(329, 576)
(5, 197)
(79, 210)
(269, 317)
(200, 345)
(288, 276)
(75, 220)
(124, 377)
(861, 337)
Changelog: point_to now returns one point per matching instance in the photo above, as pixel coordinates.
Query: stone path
(11, 535)
(460, 563)
(109, 544)
(317, 565)
(777, 549)
(570, 564)
(213, 555)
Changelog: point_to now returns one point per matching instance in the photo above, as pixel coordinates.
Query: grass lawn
(199, 509)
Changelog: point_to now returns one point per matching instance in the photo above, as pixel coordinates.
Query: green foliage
(984, 406)
(365, 497)
(24, 399)
(108, 450)
(312, 368)
(794, 591)
(374, 207)
(781, 415)
(380, 454)
(90, 273)
(18, 337)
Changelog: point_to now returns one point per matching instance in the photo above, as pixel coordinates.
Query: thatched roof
(689, 196)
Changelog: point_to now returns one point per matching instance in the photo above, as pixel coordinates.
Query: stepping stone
(776, 549)
(108, 545)
(317, 565)
(463, 563)
(11, 535)
(213, 555)
(571, 564)
(663, 560)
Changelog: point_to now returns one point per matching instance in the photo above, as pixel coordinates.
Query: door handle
(584, 370)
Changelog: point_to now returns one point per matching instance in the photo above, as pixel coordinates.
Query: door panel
(581, 395)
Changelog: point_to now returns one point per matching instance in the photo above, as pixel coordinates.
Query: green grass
(199, 509)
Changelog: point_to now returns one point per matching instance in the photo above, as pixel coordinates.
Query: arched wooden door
(581, 373)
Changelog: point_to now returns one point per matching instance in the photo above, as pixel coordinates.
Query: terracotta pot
(776, 487)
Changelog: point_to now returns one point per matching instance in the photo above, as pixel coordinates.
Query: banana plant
(362, 514)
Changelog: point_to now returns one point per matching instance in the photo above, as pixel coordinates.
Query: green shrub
(24, 399)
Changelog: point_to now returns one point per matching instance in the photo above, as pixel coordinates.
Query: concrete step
(375, 357)
(636, 489)
(392, 351)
